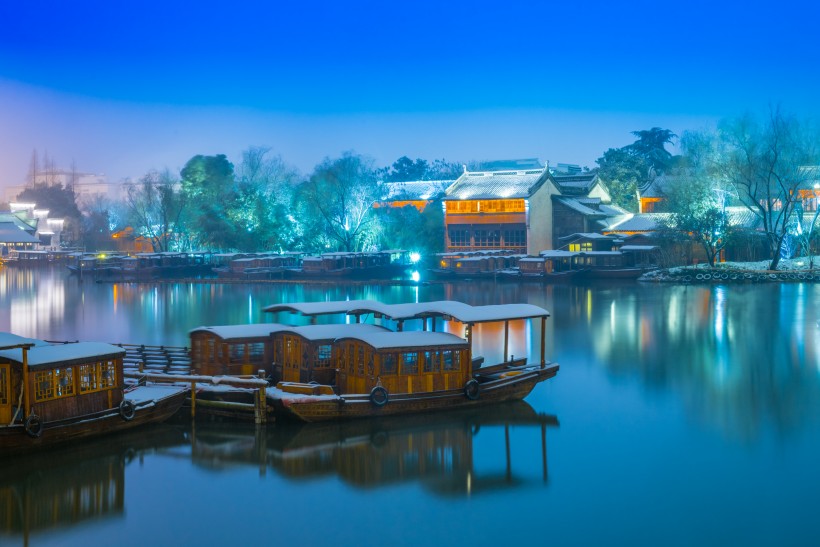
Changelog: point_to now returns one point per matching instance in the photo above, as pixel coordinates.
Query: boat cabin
(234, 350)
(57, 381)
(402, 362)
(310, 353)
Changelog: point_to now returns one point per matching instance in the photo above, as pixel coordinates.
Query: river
(681, 415)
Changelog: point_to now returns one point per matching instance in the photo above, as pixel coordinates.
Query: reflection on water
(87, 482)
(74, 484)
(437, 452)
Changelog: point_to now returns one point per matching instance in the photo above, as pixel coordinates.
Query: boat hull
(14, 439)
(495, 387)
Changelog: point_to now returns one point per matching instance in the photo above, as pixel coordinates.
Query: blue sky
(122, 89)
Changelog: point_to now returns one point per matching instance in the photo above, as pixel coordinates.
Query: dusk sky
(121, 88)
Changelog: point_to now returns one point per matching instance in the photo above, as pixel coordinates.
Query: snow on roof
(146, 394)
(10, 233)
(638, 247)
(417, 189)
(409, 339)
(332, 332)
(557, 254)
(64, 353)
(495, 184)
(9, 340)
(459, 311)
(235, 332)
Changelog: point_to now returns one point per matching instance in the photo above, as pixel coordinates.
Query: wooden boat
(390, 373)
(53, 393)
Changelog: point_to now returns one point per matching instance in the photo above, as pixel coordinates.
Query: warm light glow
(415, 276)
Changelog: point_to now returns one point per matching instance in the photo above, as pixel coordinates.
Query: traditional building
(523, 211)
(419, 193)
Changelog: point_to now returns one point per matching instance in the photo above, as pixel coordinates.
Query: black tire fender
(472, 389)
(33, 426)
(127, 410)
(379, 396)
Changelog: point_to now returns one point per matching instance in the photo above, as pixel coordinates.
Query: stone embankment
(729, 275)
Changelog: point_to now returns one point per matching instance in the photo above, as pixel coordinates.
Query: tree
(340, 194)
(411, 229)
(265, 186)
(628, 168)
(404, 170)
(60, 202)
(764, 162)
(651, 146)
(697, 208)
(623, 173)
(96, 223)
(209, 187)
(156, 204)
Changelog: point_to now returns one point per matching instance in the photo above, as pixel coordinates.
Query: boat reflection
(436, 451)
(73, 484)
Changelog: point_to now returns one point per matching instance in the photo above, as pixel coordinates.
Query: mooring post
(260, 412)
(193, 399)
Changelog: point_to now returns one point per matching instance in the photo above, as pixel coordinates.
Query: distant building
(525, 210)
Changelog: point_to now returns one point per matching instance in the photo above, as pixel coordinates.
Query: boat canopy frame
(448, 310)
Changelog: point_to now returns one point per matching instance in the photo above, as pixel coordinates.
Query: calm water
(681, 416)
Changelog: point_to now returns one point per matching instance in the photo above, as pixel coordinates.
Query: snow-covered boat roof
(557, 254)
(459, 311)
(234, 332)
(409, 339)
(332, 332)
(66, 354)
(9, 340)
(638, 247)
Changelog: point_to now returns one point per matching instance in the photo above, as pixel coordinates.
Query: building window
(459, 237)
(487, 238)
(515, 238)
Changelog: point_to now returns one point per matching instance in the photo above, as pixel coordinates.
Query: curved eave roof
(458, 311)
(64, 354)
(409, 340)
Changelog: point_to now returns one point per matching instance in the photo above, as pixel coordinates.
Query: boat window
(237, 353)
(109, 374)
(431, 361)
(256, 351)
(410, 362)
(324, 353)
(211, 354)
(90, 377)
(451, 360)
(389, 362)
(350, 353)
(4, 383)
(360, 368)
(51, 384)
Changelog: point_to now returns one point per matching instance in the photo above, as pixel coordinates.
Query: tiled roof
(642, 222)
(417, 189)
(10, 233)
(495, 184)
(573, 184)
